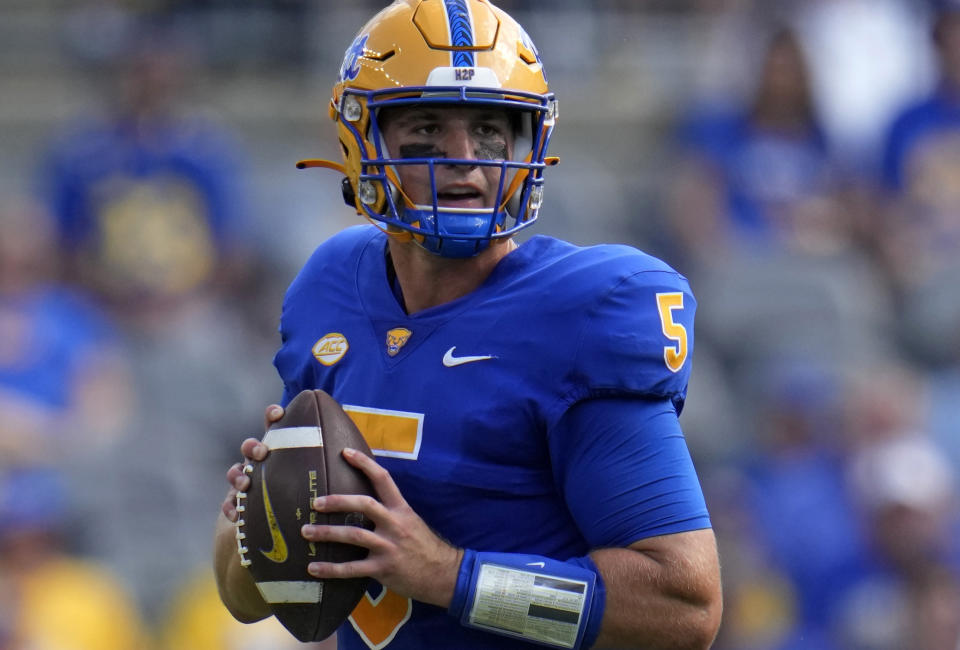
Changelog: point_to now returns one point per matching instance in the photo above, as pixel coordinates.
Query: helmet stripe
(461, 32)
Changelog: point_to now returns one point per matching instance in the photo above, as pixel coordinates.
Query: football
(305, 461)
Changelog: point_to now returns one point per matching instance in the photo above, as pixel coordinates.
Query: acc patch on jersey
(396, 339)
(331, 348)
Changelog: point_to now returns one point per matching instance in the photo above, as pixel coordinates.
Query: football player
(521, 400)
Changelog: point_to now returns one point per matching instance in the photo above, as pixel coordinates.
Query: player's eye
(426, 129)
(488, 130)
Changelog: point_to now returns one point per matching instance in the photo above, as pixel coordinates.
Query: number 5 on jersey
(673, 355)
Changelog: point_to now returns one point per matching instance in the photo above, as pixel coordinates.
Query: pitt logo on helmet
(330, 348)
(350, 68)
(396, 339)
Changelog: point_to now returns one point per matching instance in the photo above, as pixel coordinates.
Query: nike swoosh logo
(451, 361)
(278, 553)
(539, 564)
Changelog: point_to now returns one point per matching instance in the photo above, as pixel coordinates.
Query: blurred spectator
(907, 592)
(905, 492)
(760, 176)
(924, 135)
(851, 512)
(196, 392)
(150, 204)
(49, 598)
(920, 236)
(195, 395)
(149, 199)
(795, 490)
(909, 493)
(762, 609)
(63, 379)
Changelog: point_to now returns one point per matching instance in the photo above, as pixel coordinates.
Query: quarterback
(521, 401)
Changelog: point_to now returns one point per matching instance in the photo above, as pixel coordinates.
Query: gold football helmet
(447, 53)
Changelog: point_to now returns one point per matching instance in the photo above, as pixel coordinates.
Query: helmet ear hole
(349, 196)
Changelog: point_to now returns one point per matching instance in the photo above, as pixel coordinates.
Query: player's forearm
(661, 600)
(237, 589)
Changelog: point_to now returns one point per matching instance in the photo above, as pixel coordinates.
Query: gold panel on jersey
(389, 433)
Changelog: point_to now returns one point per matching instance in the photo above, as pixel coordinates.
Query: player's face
(470, 133)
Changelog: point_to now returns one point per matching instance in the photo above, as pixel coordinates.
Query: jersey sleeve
(290, 361)
(625, 471)
(308, 301)
(637, 340)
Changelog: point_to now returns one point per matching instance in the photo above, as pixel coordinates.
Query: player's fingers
(272, 413)
(354, 535)
(369, 506)
(229, 506)
(237, 477)
(383, 483)
(358, 569)
(253, 449)
(234, 472)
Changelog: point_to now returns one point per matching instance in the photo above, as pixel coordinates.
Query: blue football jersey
(458, 401)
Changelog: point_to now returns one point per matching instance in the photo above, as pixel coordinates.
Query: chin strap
(401, 235)
(329, 164)
(521, 176)
(326, 164)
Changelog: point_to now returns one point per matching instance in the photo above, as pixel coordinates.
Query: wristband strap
(530, 597)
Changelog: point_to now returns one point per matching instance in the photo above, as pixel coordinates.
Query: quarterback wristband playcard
(529, 597)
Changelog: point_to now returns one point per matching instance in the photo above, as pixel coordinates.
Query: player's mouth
(461, 196)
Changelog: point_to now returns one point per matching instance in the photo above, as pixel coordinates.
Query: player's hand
(252, 449)
(405, 555)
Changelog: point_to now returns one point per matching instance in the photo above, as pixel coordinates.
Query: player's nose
(459, 144)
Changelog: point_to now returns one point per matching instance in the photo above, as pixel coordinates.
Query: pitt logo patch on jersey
(330, 348)
(396, 339)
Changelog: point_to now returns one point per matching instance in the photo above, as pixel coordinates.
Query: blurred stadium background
(798, 161)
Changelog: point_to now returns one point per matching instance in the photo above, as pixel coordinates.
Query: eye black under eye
(420, 150)
(492, 151)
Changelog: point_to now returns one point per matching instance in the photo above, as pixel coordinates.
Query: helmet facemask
(445, 230)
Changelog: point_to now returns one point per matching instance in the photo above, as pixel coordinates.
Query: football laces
(241, 536)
